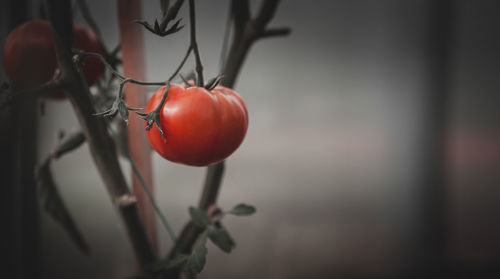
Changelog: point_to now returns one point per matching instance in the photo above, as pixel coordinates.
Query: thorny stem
(194, 44)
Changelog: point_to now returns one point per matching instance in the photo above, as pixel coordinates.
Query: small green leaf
(197, 259)
(242, 210)
(221, 239)
(199, 217)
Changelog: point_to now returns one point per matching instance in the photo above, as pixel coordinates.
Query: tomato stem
(194, 44)
(247, 30)
(80, 56)
(153, 116)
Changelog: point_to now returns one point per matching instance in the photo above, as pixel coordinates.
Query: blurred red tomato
(29, 57)
(201, 127)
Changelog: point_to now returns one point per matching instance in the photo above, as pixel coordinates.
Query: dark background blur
(373, 149)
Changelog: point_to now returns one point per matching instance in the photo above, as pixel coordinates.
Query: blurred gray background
(333, 155)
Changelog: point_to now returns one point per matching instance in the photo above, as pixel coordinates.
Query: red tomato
(201, 127)
(29, 57)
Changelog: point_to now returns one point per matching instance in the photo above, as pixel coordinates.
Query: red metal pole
(132, 48)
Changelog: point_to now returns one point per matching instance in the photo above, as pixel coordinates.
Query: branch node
(125, 200)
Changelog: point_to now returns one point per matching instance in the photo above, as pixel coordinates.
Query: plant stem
(246, 32)
(194, 44)
(100, 143)
(164, 97)
(124, 80)
(225, 40)
(172, 11)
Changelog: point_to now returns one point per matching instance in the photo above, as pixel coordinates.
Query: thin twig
(275, 32)
(240, 15)
(81, 55)
(244, 38)
(194, 44)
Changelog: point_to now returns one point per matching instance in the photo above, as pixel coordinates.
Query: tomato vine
(191, 242)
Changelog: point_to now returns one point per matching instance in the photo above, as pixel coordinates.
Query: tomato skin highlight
(29, 57)
(201, 127)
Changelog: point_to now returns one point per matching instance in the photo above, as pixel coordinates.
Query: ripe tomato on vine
(201, 126)
(29, 57)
